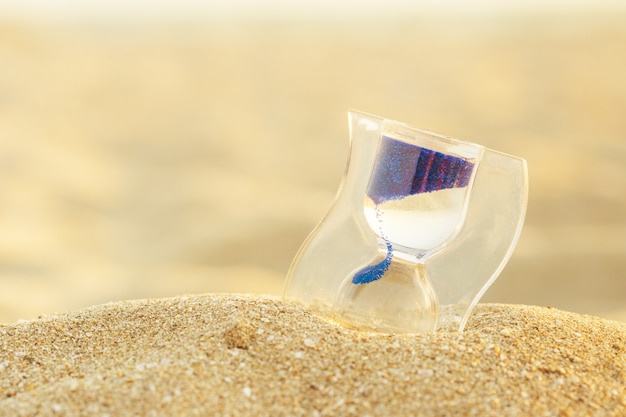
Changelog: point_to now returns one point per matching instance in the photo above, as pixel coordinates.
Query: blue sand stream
(374, 272)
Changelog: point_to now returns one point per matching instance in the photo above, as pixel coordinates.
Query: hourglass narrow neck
(404, 253)
(371, 273)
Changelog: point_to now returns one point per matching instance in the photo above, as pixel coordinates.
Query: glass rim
(435, 141)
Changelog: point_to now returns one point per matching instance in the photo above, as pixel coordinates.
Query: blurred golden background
(160, 156)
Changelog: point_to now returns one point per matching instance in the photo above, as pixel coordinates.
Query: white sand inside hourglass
(420, 221)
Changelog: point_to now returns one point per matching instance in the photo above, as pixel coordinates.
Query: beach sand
(240, 355)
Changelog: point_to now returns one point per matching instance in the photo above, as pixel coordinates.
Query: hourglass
(420, 228)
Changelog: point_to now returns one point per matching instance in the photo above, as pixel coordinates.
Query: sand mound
(243, 356)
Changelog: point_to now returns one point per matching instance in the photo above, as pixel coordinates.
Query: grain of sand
(234, 355)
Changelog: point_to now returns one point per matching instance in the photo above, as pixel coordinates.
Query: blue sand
(374, 272)
(403, 169)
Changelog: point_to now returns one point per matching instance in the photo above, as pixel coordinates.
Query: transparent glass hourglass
(420, 228)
